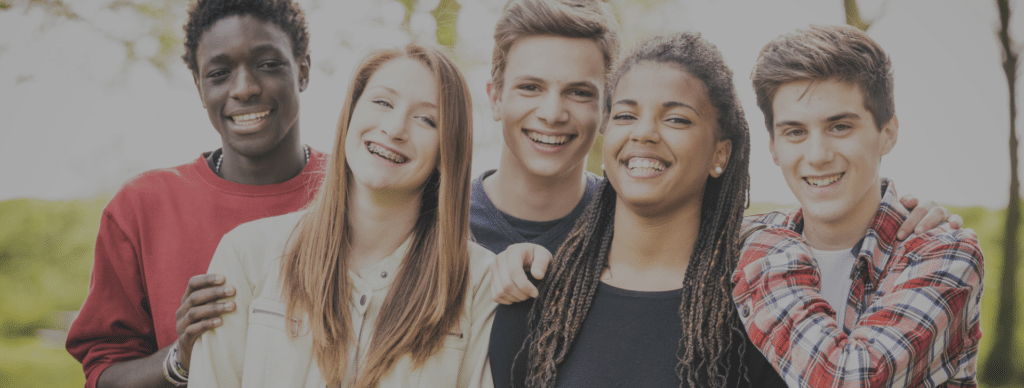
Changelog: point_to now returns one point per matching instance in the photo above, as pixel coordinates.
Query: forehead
(234, 34)
(813, 100)
(405, 77)
(556, 59)
(658, 83)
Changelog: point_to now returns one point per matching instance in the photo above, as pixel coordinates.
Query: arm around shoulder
(919, 324)
(218, 354)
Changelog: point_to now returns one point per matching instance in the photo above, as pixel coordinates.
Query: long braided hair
(710, 324)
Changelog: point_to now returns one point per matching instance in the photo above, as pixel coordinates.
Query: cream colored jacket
(252, 348)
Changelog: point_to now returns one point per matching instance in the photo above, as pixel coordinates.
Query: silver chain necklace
(216, 170)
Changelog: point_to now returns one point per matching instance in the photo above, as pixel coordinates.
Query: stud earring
(718, 170)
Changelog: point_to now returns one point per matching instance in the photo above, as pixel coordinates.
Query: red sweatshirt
(159, 230)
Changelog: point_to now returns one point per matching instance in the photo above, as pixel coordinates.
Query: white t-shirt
(836, 268)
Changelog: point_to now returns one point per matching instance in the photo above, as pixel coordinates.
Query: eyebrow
(393, 91)
(576, 84)
(668, 104)
(837, 117)
(844, 116)
(222, 57)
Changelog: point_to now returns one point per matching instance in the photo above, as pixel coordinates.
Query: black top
(629, 339)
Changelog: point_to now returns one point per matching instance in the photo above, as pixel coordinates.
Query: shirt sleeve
(921, 331)
(476, 367)
(115, 323)
(218, 355)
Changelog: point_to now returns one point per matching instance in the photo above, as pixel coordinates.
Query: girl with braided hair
(611, 311)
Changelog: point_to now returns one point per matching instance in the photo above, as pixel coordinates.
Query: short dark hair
(818, 53)
(286, 14)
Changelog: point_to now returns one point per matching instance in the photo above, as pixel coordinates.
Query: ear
(304, 73)
(494, 95)
(199, 88)
(890, 132)
(771, 148)
(723, 150)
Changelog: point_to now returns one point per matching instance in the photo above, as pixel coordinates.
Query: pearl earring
(718, 170)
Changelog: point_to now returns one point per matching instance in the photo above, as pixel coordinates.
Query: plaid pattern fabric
(912, 317)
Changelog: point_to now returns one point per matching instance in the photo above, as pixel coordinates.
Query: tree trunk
(999, 366)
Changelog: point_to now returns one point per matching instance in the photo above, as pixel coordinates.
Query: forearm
(146, 372)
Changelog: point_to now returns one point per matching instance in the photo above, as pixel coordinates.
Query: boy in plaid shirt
(828, 292)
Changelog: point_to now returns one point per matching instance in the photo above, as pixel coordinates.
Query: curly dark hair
(711, 326)
(286, 14)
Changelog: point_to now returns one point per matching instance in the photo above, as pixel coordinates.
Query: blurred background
(93, 92)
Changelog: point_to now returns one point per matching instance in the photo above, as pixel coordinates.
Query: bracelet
(170, 372)
(179, 369)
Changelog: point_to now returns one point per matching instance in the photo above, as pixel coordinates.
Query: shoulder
(948, 250)
(779, 218)
(158, 180)
(480, 261)
(258, 243)
(153, 187)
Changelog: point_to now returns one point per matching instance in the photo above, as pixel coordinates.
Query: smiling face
(249, 83)
(829, 149)
(392, 140)
(549, 105)
(661, 142)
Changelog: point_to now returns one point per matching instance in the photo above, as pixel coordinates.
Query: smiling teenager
(249, 60)
(827, 291)
(376, 284)
(611, 312)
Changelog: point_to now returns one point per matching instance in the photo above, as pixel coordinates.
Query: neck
(651, 253)
(843, 232)
(521, 194)
(379, 222)
(283, 162)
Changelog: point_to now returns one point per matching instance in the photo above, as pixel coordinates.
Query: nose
(552, 110)
(246, 85)
(645, 131)
(393, 125)
(819, 150)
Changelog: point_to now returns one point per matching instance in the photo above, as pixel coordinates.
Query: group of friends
(266, 263)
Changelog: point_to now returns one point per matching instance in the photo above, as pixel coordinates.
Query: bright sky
(78, 121)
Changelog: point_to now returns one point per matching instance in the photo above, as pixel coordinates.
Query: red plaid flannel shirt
(912, 317)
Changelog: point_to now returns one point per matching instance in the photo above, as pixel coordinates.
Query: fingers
(909, 201)
(937, 215)
(199, 297)
(509, 281)
(924, 216)
(199, 282)
(956, 222)
(541, 262)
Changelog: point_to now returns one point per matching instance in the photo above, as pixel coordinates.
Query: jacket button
(362, 299)
(745, 311)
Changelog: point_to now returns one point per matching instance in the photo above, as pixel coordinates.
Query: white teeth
(645, 164)
(376, 149)
(249, 118)
(820, 182)
(548, 140)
